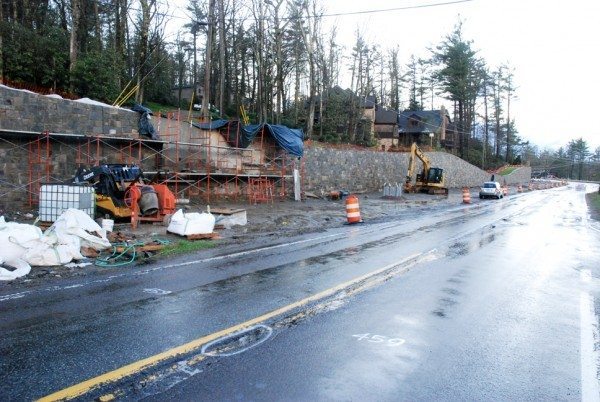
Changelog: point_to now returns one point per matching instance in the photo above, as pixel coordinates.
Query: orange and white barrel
(519, 189)
(505, 190)
(466, 195)
(352, 209)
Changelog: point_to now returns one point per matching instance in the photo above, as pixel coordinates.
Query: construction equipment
(430, 180)
(122, 194)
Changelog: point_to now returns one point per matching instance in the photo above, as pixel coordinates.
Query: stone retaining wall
(361, 170)
(27, 111)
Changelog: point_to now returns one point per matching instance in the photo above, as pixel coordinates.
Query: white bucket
(108, 224)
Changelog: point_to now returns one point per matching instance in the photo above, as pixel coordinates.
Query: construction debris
(228, 217)
(24, 245)
(128, 252)
(206, 236)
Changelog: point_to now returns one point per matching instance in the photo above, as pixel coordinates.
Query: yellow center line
(135, 367)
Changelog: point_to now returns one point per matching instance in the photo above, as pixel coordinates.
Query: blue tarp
(241, 136)
(145, 126)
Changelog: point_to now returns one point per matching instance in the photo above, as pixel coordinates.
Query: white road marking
(14, 296)
(590, 391)
(155, 291)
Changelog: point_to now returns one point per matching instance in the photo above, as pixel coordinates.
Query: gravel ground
(265, 221)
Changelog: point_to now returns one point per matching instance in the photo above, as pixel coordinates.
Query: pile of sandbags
(25, 245)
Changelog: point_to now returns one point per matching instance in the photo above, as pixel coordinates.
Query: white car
(491, 189)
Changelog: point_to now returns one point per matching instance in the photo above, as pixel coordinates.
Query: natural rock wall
(28, 111)
(361, 170)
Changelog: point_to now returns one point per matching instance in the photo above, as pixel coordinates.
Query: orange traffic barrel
(505, 191)
(352, 210)
(519, 189)
(466, 195)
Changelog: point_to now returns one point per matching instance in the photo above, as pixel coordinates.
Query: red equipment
(144, 207)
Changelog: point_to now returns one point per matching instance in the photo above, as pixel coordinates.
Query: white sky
(553, 45)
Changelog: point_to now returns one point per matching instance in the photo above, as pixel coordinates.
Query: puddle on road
(451, 291)
(238, 342)
(462, 248)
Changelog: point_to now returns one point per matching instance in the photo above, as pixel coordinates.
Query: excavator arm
(431, 179)
(415, 152)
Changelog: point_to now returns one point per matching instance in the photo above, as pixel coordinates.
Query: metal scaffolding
(206, 168)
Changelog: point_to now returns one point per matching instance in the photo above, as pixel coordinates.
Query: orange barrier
(466, 195)
(352, 209)
(505, 190)
(519, 189)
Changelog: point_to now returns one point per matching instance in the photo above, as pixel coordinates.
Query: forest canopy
(273, 57)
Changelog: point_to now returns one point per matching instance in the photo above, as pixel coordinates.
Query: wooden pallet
(204, 236)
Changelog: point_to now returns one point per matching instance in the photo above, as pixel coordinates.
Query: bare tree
(394, 74)
(509, 88)
(76, 16)
(1, 44)
(309, 37)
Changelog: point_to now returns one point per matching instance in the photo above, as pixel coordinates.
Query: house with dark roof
(426, 127)
(385, 127)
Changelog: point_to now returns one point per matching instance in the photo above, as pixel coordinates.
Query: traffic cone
(466, 195)
(505, 190)
(352, 209)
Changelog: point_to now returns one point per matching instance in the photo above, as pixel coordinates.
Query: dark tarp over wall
(241, 136)
(145, 126)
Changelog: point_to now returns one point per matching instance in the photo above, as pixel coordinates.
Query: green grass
(593, 201)
(186, 246)
(507, 171)
(156, 107)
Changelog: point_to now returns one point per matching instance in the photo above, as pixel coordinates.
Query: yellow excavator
(430, 180)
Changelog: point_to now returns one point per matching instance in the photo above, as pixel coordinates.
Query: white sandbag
(23, 245)
(15, 239)
(191, 223)
(74, 222)
(47, 255)
(22, 269)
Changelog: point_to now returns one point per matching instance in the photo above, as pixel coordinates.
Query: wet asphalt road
(481, 302)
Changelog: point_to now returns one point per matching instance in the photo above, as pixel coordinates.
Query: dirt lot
(265, 222)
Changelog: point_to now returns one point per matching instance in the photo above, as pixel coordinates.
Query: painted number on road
(379, 339)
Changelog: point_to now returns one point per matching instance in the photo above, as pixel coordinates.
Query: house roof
(419, 121)
(368, 102)
(386, 116)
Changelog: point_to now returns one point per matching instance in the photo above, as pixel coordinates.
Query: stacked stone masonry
(330, 169)
(27, 111)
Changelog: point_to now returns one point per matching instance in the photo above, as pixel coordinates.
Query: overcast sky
(554, 47)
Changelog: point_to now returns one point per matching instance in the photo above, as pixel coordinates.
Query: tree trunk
(222, 67)
(508, 139)
(1, 45)
(74, 40)
(143, 52)
(97, 26)
(297, 84)
(120, 7)
(486, 124)
(461, 128)
(209, 35)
